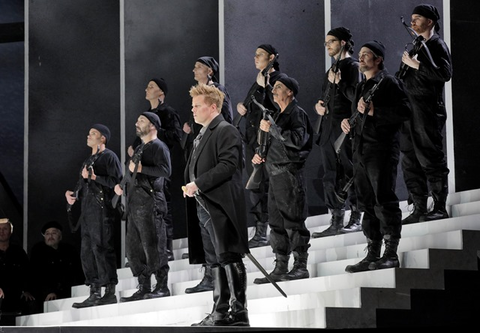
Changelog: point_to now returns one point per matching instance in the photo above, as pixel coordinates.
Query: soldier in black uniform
(146, 207)
(423, 163)
(339, 91)
(99, 174)
(376, 153)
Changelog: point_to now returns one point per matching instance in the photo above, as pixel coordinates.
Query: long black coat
(218, 170)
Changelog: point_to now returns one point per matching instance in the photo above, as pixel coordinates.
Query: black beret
(51, 224)
(103, 130)
(153, 118)
(427, 11)
(161, 84)
(212, 63)
(289, 82)
(341, 33)
(377, 47)
(269, 48)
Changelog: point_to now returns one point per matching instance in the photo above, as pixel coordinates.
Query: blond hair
(212, 94)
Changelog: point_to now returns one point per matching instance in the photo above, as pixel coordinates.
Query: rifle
(417, 43)
(89, 166)
(352, 120)
(256, 176)
(328, 93)
(246, 102)
(137, 156)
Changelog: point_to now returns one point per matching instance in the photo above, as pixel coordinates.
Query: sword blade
(252, 258)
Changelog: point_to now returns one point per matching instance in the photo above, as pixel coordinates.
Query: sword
(249, 255)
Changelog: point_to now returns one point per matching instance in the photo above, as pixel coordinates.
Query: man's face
(281, 93)
(262, 58)
(366, 59)
(201, 72)
(202, 112)
(53, 236)
(332, 44)
(420, 23)
(94, 138)
(5, 232)
(142, 126)
(153, 92)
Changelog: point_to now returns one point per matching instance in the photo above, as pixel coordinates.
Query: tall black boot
(205, 285)
(109, 297)
(260, 237)
(373, 247)
(439, 208)
(221, 298)
(91, 300)
(336, 224)
(419, 210)
(299, 270)
(354, 223)
(161, 288)
(279, 272)
(390, 257)
(144, 287)
(169, 249)
(237, 281)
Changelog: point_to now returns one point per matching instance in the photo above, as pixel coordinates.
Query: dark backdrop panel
(465, 25)
(74, 65)
(12, 73)
(163, 39)
(295, 28)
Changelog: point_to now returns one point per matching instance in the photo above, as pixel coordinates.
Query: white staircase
(311, 303)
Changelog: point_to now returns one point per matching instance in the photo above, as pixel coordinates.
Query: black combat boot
(439, 208)
(336, 224)
(205, 285)
(419, 211)
(144, 287)
(299, 270)
(354, 224)
(91, 300)
(169, 249)
(221, 298)
(390, 257)
(278, 273)
(237, 282)
(109, 297)
(373, 247)
(161, 288)
(260, 237)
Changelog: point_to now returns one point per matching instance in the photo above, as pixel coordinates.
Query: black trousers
(97, 250)
(375, 180)
(258, 197)
(146, 237)
(336, 171)
(423, 160)
(287, 208)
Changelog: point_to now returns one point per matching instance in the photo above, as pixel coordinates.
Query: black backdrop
(74, 79)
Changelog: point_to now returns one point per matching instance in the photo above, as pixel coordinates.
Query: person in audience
(55, 266)
(15, 299)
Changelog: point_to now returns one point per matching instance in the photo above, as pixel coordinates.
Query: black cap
(154, 119)
(103, 130)
(341, 33)
(289, 82)
(377, 47)
(428, 11)
(161, 84)
(212, 63)
(51, 224)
